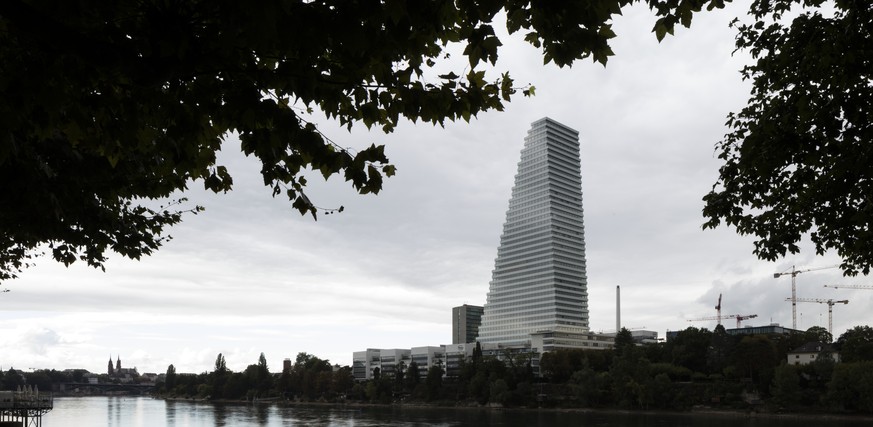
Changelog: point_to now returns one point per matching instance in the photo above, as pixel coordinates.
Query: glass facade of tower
(539, 280)
(465, 323)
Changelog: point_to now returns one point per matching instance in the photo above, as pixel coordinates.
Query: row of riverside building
(538, 296)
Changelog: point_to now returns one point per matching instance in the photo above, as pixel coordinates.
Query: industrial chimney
(617, 309)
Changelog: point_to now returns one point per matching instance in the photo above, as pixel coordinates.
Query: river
(148, 412)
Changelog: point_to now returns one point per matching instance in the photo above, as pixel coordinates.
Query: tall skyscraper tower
(539, 282)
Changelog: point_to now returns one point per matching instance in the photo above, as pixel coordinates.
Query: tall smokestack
(617, 309)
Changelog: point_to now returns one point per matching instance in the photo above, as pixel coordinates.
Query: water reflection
(133, 412)
(220, 414)
(170, 412)
(113, 411)
(263, 414)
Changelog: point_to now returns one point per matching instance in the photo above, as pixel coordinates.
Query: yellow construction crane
(830, 304)
(739, 317)
(794, 272)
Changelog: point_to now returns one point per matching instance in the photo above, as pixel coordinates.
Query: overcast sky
(250, 275)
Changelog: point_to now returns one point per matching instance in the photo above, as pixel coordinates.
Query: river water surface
(147, 412)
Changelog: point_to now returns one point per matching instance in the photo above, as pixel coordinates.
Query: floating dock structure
(24, 408)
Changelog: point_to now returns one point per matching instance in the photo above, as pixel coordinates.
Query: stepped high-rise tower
(539, 282)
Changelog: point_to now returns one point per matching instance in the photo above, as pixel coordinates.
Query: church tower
(110, 371)
(118, 364)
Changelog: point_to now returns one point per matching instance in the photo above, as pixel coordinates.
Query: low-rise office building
(451, 357)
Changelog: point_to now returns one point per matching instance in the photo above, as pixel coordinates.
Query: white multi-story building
(425, 357)
(546, 341)
(447, 357)
(365, 363)
(539, 280)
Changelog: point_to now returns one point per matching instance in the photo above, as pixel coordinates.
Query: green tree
(856, 344)
(499, 392)
(170, 380)
(107, 104)
(478, 387)
(12, 380)
(477, 355)
(263, 370)
(263, 379)
(559, 365)
(221, 364)
(662, 391)
(755, 357)
(434, 382)
(851, 387)
(218, 377)
(631, 379)
(309, 376)
(719, 351)
(583, 385)
(343, 380)
(796, 158)
(413, 376)
(624, 341)
(786, 389)
(689, 348)
(399, 376)
(40, 378)
(818, 334)
(236, 386)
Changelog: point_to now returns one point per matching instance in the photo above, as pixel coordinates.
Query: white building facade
(365, 363)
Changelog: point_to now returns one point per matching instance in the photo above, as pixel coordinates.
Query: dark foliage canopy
(856, 344)
(106, 106)
(798, 158)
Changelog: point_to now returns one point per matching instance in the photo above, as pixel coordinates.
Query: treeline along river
(149, 412)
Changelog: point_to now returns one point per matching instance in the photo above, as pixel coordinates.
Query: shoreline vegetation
(695, 371)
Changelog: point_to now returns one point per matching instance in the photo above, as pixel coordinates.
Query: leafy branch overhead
(106, 104)
(797, 158)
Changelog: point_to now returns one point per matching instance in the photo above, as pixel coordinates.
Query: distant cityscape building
(539, 283)
(465, 323)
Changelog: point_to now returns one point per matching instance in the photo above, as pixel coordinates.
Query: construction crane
(739, 317)
(747, 317)
(849, 286)
(830, 304)
(794, 272)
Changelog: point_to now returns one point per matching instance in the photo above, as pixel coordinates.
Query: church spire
(110, 371)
